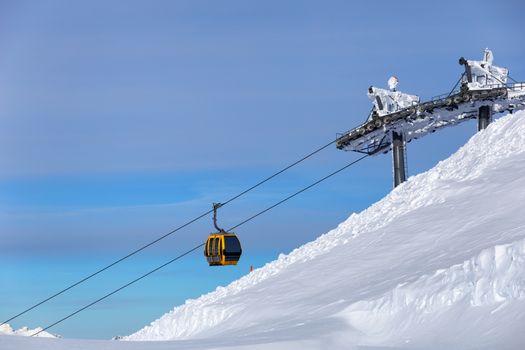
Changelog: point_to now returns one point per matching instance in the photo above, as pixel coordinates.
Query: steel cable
(198, 246)
(165, 235)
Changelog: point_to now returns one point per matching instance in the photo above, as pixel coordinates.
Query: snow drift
(439, 262)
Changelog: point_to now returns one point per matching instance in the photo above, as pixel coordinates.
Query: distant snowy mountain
(439, 262)
(24, 331)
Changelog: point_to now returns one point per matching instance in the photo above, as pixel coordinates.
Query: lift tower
(398, 158)
(397, 118)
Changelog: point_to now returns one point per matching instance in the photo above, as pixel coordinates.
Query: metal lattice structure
(483, 91)
(423, 118)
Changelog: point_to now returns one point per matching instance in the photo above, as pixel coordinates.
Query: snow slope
(439, 263)
(444, 250)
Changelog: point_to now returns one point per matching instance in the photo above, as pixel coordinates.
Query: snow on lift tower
(483, 75)
(397, 118)
(385, 103)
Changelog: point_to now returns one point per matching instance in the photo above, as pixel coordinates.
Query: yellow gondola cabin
(222, 248)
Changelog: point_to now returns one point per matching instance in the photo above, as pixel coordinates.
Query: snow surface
(439, 263)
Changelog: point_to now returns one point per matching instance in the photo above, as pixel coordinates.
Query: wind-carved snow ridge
(390, 241)
(494, 277)
(24, 331)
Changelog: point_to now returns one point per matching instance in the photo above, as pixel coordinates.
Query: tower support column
(398, 155)
(484, 117)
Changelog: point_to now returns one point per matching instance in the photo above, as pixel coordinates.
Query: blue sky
(121, 120)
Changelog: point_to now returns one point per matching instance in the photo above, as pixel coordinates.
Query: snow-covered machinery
(397, 118)
(480, 75)
(389, 101)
